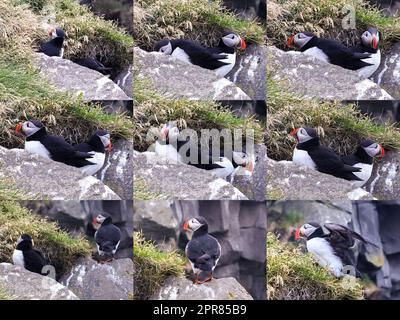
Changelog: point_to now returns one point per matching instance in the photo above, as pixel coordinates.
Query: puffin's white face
(106, 140)
(307, 230)
(232, 40)
(167, 49)
(374, 149)
(29, 128)
(245, 160)
(299, 40)
(173, 133)
(192, 224)
(301, 135)
(370, 38)
(100, 219)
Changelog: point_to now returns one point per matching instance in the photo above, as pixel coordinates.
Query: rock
(90, 280)
(217, 289)
(22, 284)
(171, 181)
(117, 172)
(388, 74)
(289, 181)
(385, 180)
(71, 77)
(324, 80)
(177, 79)
(249, 72)
(37, 177)
(125, 80)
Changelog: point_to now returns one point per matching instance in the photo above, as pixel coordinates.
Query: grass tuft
(61, 249)
(293, 275)
(199, 20)
(153, 266)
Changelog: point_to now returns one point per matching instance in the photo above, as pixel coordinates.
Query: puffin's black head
(233, 40)
(300, 40)
(304, 134)
(56, 33)
(372, 148)
(195, 224)
(164, 46)
(102, 218)
(24, 242)
(307, 229)
(102, 140)
(370, 38)
(29, 128)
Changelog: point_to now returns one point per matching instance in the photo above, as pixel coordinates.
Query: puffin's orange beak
(186, 225)
(109, 147)
(18, 128)
(290, 42)
(250, 166)
(294, 132)
(50, 32)
(243, 45)
(382, 153)
(298, 234)
(375, 42)
(164, 133)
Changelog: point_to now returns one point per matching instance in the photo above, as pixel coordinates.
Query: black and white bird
(26, 256)
(93, 64)
(54, 47)
(203, 250)
(363, 158)
(107, 237)
(310, 153)
(166, 150)
(330, 51)
(51, 147)
(369, 45)
(221, 59)
(332, 250)
(98, 144)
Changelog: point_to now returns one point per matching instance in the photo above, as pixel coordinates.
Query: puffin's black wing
(350, 160)
(343, 56)
(203, 252)
(93, 64)
(199, 55)
(82, 147)
(34, 261)
(62, 151)
(327, 161)
(107, 237)
(339, 231)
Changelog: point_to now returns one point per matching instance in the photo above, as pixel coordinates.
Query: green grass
(35, 5)
(340, 126)
(58, 245)
(153, 266)
(8, 191)
(293, 275)
(4, 295)
(324, 18)
(153, 110)
(141, 191)
(199, 20)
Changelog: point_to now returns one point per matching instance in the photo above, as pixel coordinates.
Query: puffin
(330, 51)
(163, 148)
(54, 47)
(182, 149)
(310, 153)
(221, 59)
(26, 256)
(369, 45)
(93, 64)
(203, 250)
(51, 147)
(363, 158)
(332, 250)
(107, 237)
(98, 144)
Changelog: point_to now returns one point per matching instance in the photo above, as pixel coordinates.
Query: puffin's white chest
(226, 170)
(180, 54)
(224, 70)
(99, 159)
(364, 174)
(375, 60)
(317, 53)
(18, 258)
(37, 148)
(323, 253)
(302, 157)
(168, 153)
